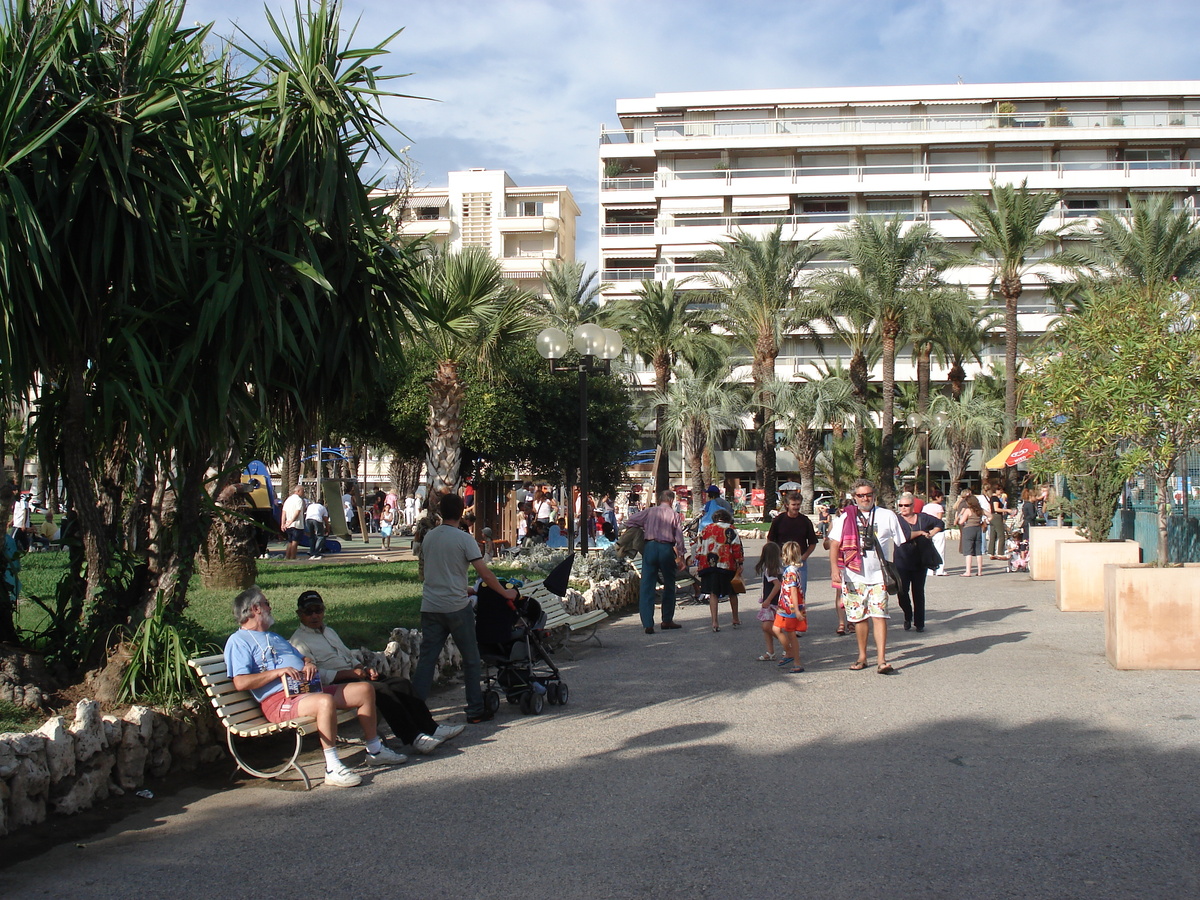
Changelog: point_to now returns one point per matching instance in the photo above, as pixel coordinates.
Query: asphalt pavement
(1005, 759)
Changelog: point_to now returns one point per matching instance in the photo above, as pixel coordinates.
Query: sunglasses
(864, 496)
(904, 505)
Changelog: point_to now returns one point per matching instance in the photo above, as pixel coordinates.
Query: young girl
(771, 570)
(790, 616)
(387, 523)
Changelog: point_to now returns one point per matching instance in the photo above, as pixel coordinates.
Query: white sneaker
(426, 744)
(342, 777)
(385, 757)
(447, 732)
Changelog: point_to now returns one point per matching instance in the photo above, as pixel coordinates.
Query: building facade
(683, 170)
(526, 228)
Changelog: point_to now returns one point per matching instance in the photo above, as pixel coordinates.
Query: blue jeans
(434, 629)
(316, 536)
(658, 560)
(804, 578)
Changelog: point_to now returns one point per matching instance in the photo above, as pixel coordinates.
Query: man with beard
(260, 661)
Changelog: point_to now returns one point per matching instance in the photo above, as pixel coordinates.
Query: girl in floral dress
(790, 616)
(771, 570)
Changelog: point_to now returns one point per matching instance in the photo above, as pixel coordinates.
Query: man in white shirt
(291, 520)
(22, 532)
(316, 523)
(856, 569)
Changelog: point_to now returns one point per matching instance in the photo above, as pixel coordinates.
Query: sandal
(785, 662)
(858, 665)
(842, 630)
(797, 670)
(767, 657)
(886, 669)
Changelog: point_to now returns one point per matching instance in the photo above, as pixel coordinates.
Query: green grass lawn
(364, 601)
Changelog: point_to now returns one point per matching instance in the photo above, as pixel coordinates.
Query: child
(771, 571)
(790, 616)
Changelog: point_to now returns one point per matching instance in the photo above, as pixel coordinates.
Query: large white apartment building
(526, 228)
(685, 169)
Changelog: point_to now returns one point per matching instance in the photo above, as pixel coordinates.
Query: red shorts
(790, 623)
(279, 707)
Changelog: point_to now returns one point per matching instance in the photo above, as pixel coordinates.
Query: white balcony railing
(1188, 168)
(933, 122)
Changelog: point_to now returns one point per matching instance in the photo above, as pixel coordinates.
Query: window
(429, 212)
(1083, 206)
(826, 210)
(529, 208)
(1148, 159)
(890, 205)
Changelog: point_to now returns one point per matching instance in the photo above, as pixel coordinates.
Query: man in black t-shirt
(792, 525)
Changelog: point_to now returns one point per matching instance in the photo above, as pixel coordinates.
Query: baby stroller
(511, 635)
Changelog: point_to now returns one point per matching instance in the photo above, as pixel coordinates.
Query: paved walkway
(1007, 759)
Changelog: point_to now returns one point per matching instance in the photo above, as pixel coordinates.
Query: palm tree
(700, 405)
(961, 339)
(894, 272)
(1151, 245)
(471, 311)
(661, 326)
(1009, 233)
(572, 296)
(974, 421)
(806, 408)
(757, 281)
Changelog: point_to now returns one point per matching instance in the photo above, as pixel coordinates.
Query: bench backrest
(234, 707)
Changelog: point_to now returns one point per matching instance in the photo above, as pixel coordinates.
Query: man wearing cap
(259, 661)
(408, 717)
(715, 501)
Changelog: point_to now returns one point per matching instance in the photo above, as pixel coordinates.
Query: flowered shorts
(864, 601)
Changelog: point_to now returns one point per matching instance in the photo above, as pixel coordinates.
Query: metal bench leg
(290, 764)
(590, 636)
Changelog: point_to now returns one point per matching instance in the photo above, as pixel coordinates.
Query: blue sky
(524, 85)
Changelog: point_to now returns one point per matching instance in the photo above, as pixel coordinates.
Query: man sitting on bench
(258, 660)
(408, 717)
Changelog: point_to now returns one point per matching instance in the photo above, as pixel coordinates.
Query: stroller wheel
(552, 693)
(526, 702)
(491, 701)
(536, 703)
(563, 694)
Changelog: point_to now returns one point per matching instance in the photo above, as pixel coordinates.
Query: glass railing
(1187, 167)
(680, 130)
(626, 274)
(629, 228)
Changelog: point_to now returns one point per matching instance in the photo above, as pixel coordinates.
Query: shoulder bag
(891, 577)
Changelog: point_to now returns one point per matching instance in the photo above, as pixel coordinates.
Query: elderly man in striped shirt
(662, 557)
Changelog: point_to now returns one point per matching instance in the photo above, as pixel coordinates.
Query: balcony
(528, 224)
(414, 228)
(1016, 123)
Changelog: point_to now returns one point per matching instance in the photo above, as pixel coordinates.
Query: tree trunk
(1010, 290)
(762, 371)
(694, 450)
(806, 461)
(957, 376)
(228, 558)
(662, 474)
(1162, 483)
(860, 379)
(444, 461)
(887, 443)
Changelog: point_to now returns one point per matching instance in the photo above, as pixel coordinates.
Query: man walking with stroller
(446, 609)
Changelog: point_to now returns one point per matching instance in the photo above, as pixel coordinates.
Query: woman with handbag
(719, 557)
(914, 558)
(970, 519)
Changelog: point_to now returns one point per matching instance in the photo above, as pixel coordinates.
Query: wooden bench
(580, 628)
(242, 717)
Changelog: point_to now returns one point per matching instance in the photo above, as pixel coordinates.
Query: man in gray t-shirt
(445, 604)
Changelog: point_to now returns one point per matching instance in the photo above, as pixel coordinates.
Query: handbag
(891, 576)
(737, 586)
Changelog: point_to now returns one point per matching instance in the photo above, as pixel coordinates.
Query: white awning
(761, 204)
(676, 205)
(643, 253)
(763, 109)
(637, 206)
(417, 200)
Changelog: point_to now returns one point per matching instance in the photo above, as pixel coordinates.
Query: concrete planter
(1152, 617)
(1080, 583)
(1043, 549)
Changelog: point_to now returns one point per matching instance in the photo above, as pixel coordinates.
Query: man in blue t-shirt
(258, 660)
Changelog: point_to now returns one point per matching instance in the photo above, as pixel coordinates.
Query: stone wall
(63, 768)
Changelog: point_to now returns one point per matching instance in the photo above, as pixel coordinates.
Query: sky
(525, 85)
